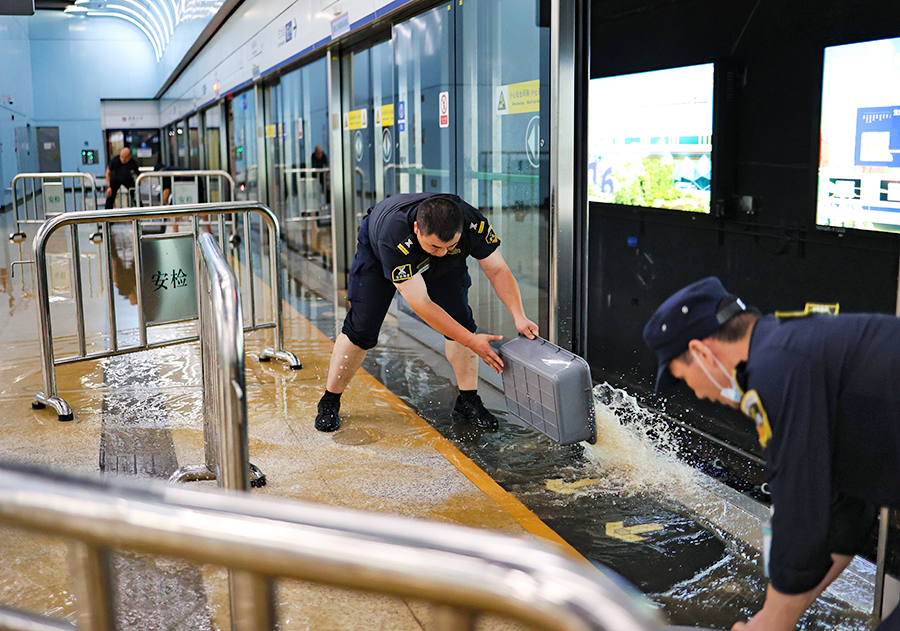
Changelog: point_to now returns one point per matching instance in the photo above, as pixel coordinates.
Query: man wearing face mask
(823, 393)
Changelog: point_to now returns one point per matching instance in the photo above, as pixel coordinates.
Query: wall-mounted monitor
(650, 138)
(859, 154)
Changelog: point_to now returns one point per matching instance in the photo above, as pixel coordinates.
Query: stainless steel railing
(54, 196)
(224, 387)
(104, 218)
(463, 572)
(147, 195)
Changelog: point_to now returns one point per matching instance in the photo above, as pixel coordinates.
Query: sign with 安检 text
(168, 282)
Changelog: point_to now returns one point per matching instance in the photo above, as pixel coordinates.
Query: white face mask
(733, 393)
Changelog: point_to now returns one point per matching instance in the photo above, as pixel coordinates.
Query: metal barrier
(224, 387)
(462, 571)
(53, 196)
(183, 192)
(104, 218)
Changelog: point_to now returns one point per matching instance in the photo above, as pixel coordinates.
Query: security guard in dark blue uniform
(823, 393)
(418, 243)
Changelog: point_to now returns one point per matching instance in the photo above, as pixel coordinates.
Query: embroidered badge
(810, 309)
(401, 273)
(405, 246)
(490, 237)
(423, 266)
(454, 251)
(752, 406)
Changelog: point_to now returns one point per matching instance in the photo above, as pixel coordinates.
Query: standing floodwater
(626, 502)
(636, 455)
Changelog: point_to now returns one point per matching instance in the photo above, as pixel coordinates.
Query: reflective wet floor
(629, 502)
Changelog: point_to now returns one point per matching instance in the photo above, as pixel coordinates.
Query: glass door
(244, 157)
(301, 173)
(194, 154)
(503, 164)
(425, 116)
(181, 158)
(212, 123)
(369, 138)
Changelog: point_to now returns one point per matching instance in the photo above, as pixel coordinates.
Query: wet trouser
(111, 198)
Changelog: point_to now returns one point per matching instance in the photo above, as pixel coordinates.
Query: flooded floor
(630, 502)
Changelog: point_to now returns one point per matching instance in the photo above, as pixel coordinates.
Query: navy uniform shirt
(396, 247)
(123, 173)
(823, 391)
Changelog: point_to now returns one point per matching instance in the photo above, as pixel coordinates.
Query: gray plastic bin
(550, 389)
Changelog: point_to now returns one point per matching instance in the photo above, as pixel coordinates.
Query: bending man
(417, 244)
(822, 391)
(121, 171)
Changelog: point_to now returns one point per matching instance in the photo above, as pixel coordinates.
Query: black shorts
(370, 295)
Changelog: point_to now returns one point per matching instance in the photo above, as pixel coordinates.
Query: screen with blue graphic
(650, 138)
(859, 152)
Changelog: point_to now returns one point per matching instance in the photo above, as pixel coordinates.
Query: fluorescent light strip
(165, 6)
(133, 21)
(112, 6)
(159, 25)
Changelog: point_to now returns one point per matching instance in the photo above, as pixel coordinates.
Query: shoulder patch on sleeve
(405, 245)
(810, 309)
(752, 406)
(491, 236)
(401, 273)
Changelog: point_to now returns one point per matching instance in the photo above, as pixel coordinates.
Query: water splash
(636, 452)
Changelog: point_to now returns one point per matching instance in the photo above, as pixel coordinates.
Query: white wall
(261, 36)
(129, 114)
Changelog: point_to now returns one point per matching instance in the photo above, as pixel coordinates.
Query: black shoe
(327, 419)
(473, 412)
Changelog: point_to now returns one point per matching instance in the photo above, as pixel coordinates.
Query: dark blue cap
(692, 313)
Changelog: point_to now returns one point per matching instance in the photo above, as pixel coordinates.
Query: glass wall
(171, 145)
(243, 154)
(425, 117)
(181, 154)
(212, 138)
(194, 142)
(297, 150)
(368, 132)
(503, 167)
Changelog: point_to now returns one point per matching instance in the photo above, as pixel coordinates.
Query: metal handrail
(463, 570)
(149, 176)
(104, 218)
(88, 183)
(224, 386)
